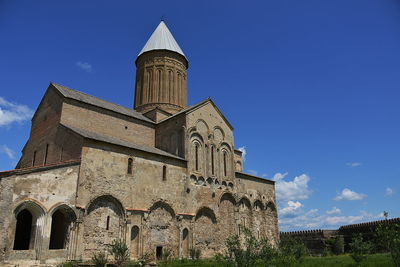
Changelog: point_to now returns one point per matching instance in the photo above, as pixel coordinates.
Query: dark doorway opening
(59, 230)
(23, 230)
(159, 252)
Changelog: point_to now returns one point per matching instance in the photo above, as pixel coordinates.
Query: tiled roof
(92, 100)
(119, 142)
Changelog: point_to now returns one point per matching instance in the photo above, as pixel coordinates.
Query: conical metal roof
(162, 39)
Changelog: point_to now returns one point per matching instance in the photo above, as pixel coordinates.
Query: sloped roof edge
(95, 101)
(115, 141)
(197, 106)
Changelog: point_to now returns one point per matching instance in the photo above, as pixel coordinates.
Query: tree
(389, 238)
(359, 248)
(120, 252)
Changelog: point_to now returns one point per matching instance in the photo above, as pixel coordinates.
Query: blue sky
(311, 87)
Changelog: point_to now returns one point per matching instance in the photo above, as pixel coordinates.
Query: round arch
(229, 197)
(206, 211)
(164, 205)
(105, 201)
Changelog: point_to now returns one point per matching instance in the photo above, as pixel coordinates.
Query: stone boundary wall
(316, 240)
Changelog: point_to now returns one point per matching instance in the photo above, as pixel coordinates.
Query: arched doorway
(61, 221)
(28, 225)
(23, 230)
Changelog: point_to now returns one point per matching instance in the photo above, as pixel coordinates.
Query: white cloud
(354, 164)
(12, 112)
(312, 220)
(8, 151)
(292, 190)
(347, 194)
(291, 208)
(279, 176)
(334, 210)
(389, 191)
(84, 66)
(244, 152)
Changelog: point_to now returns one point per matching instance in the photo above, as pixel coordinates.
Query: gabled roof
(199, 105)
(162, 39)
(92, 100)
(116, 141)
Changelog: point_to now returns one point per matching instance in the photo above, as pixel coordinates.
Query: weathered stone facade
(167, 177)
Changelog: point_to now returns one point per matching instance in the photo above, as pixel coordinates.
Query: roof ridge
(139, 115)
(72, 89)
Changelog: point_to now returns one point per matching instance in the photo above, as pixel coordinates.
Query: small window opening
(61, 154)
(45, 154)
(159, 252)
(34, 159)
(108, 223)
(224, 163)
(212, 160)
(164, 173)
(130, 161)
(197, 156)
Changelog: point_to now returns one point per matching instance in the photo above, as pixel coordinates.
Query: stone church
(161, 176)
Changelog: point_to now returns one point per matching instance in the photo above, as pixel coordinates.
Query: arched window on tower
(196, 152)
(130, 163)
(224, 155)
(149, 86)
(179, 88)
(212, 160)
(159, 83)
(170, 85)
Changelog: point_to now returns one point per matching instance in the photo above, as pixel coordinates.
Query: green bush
(359, 248)
(293, 248)
(120, 252)
(335, 245)
(195, 253)
(99, 259)
(389, 238)
(68, 264)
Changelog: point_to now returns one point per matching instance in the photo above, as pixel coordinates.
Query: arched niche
(135, 232)
(219, 134)
(270, 206)
(185, 243)
(258, 205)
(206, 212)
(206, 231)
(226, 214)
(103, 222)
(202, 127)
(201, 181)
(193, 179)
(161, 229)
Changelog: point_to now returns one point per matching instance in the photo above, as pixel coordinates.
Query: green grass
(375, 260)
(383, 260)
